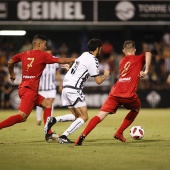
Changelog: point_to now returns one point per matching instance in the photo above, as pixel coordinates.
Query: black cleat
(49, 123)
(79, 141)
(51, 137)
(63, 139)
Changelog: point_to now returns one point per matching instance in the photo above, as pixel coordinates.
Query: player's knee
(85, 118)
(24, 116)
(137, 110)
(48, 104)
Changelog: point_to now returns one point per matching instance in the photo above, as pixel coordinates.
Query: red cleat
(119, 136)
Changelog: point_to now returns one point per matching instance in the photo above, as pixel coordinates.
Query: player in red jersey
(33, 64)
(123, 92)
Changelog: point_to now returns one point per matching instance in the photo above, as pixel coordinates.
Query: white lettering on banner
(153, 8)
(38, 10)
(3, 10)
(23, 10)
(56, 10)
(28, 77)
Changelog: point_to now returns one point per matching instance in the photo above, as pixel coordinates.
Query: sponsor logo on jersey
(125, 79)
(28, 77)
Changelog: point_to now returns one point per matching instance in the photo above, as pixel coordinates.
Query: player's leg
(38, 114)
(110, 106)
(134, 105)
(18, 118)
(50, 95)
(52, 106)
(47, 113)
(25, 108)
(64, 118)
(91, 125)
(47, 105)
(80, 111)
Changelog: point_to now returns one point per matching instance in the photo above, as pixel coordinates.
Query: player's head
(39, 42)
(95, 46)
(129, 47)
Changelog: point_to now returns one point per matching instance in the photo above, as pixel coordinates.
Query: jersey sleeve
(142, 56)
(17, 58)
(49, 59)
(93, 68)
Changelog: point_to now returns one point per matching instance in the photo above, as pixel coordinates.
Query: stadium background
(69, 25)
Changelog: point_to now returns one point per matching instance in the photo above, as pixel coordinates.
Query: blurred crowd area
(158, 77)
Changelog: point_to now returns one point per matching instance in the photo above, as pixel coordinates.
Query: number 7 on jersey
(30, 64)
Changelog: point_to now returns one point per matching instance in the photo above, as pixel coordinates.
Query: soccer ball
(137, 132)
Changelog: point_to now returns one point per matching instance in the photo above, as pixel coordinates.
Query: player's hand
(106, 72)
(12, 77)
(65, 66)
(143, 73)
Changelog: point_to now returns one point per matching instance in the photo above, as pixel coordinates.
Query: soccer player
(33, 64)
(72, 95)
(123, 92)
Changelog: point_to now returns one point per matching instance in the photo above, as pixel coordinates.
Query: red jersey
(129, 69)
(33, 64)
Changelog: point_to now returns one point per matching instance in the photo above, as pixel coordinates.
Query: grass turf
(22, 146)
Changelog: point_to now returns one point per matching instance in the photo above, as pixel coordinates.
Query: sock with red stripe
(11, 121)
(47, 113)
(130, 117)
(91, 125)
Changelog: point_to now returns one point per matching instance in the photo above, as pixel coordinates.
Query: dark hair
(39, 36)
(93, 44)
(129, 44)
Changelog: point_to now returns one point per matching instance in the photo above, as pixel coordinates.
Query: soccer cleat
(63, 139)
(38, 122)
(49, 123)
(51, 137)
(120, 137)
(79, 141)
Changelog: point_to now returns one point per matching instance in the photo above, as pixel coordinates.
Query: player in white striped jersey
(72, 95)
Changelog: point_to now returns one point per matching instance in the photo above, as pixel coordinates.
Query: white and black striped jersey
(83, 66)
(48, 77)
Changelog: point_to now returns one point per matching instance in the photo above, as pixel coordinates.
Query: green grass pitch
(22, 146)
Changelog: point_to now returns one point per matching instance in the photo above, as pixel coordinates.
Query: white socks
(39, 112)
(65, 118)
(74, 126)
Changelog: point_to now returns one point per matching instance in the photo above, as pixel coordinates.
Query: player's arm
(11, 70)
(58, 77)
(148, 57)
(100, 79)
(67, 66)
(49, 59)
(66, 60)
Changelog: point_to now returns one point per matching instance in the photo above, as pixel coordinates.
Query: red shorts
(29, 99)
(112, 103)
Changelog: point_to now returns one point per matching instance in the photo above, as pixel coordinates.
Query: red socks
(47, 113)
(11, 121)
(127, 121)
(91, 125)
